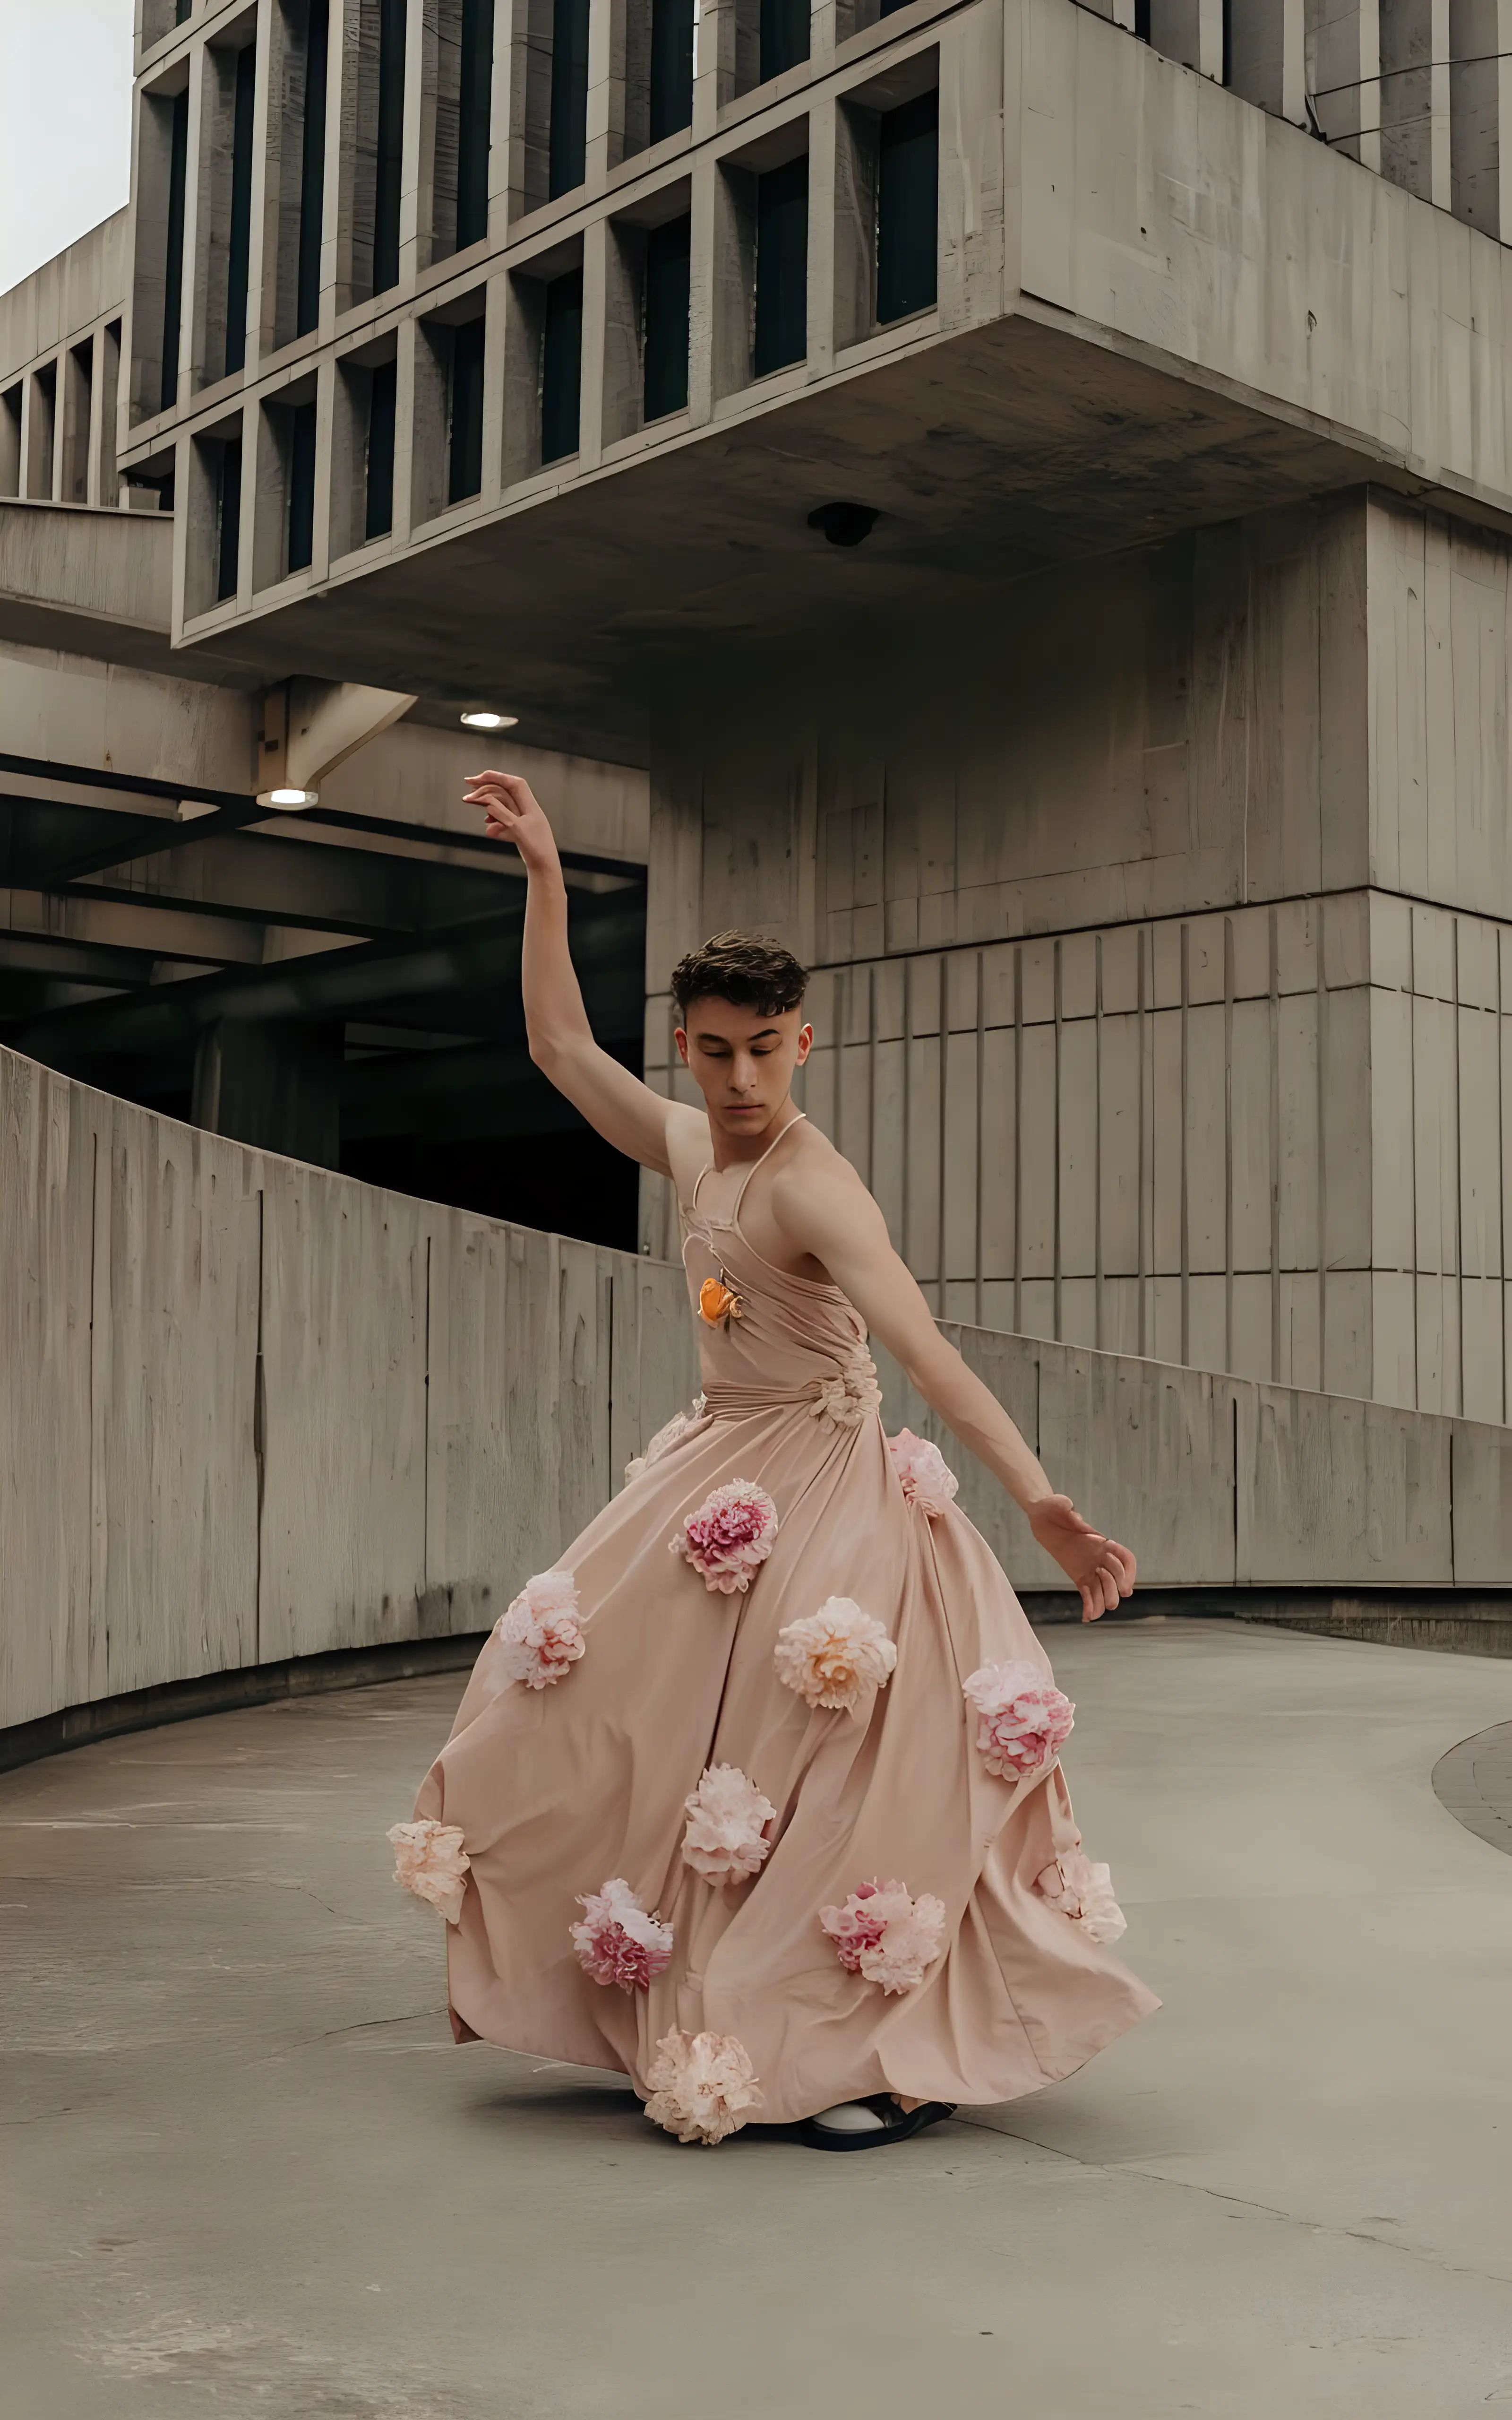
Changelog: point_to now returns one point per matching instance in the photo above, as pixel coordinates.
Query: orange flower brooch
(718, 1303)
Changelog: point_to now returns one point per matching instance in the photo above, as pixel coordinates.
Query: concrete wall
(250, 1411)
(1163, 919)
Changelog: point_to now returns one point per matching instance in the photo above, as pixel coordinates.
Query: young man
(801, 1777)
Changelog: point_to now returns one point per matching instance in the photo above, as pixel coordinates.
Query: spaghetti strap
(708, 1165)
(734, 1211)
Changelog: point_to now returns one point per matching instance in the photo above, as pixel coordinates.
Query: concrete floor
(246, 2172)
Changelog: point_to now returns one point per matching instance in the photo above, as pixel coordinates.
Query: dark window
(671, 68)
(379, 518)
(908, 155)
(389, 161)
(1141, 21)
(472, 122)
(239, 239)
(173, 267)
(463, 453)
(181, 10)
(229, 520)
(781, 267)
(785, 35)
(666, 318)
(300, 486)
(561, 362)
(311, 165)
(568, 137)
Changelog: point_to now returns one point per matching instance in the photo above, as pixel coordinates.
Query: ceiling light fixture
(288, 800)
(483, 717)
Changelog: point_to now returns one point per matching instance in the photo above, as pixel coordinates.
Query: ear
(680, 1037)
(805, 1043)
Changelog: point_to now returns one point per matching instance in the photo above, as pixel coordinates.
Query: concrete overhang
(989, 457)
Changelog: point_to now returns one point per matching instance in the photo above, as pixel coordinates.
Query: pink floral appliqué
(835, 1656)
(617, 1942)
(429, 1860)
(727, 1818)
(665, 1438)
(1085, 1893)
(541, 1636)
(926, 1477)
(730, 1536)
(703, 2086)
(1022, 1718)
(883, 1934)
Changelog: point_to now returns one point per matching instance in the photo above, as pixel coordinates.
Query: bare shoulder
(815, 1181)
(687, 1145)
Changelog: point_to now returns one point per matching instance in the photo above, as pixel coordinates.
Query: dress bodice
(782, 1338)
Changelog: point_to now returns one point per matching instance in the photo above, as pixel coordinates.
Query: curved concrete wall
(251, 1411)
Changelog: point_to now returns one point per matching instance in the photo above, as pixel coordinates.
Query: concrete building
(339, 982)
(1015, 498)
(1138, 779)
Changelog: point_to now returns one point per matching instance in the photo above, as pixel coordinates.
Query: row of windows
(655, 101)
(649, 282)
(57, 424)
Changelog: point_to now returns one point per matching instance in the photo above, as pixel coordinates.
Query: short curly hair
(745, 969)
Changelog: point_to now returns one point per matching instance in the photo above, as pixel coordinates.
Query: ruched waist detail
(843, 1398)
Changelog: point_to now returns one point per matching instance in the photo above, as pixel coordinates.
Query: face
(741, 1062)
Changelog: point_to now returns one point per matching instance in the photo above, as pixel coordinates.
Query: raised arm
(824, 1208)
(625, 1111)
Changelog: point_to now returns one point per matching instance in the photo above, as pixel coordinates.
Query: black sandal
(896, 2127)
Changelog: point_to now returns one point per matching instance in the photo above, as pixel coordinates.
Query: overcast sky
(65, 124)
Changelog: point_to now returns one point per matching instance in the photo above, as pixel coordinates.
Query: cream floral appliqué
(617, 1942)
(834, 1658)
(665, 1438)
(730, 1536)
(849, 1397)
(726, 1839)
(926, 1478)
(429, 1860)
(1085, 1893)
(1022, 1718)
(541, 1636)
(886, 1936)
(703, 2086)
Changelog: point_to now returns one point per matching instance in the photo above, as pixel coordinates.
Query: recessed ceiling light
(483, 717)
(288, 799)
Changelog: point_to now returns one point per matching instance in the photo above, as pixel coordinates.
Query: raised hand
(512, 812)
(1101, 1570)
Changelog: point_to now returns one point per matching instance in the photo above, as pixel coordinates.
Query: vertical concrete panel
(343, 1530)
(999, 1123)
(1205, 1158)
(1037, 1150)
(173, 1391)
(1078, 1124)
(1119, 1144)
(1339, 1492)
(1250, 1079)
(47, 1205)
(1297, 1173)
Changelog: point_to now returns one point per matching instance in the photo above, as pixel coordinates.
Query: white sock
(852, 2118)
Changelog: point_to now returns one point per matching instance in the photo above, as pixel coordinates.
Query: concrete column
(1191, 31)
(278, 1086)
(1266, 56)
(1342, 46)
(1480, 95)
(1414, 98)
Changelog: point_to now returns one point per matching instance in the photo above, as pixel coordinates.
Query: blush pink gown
(556, 1789)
